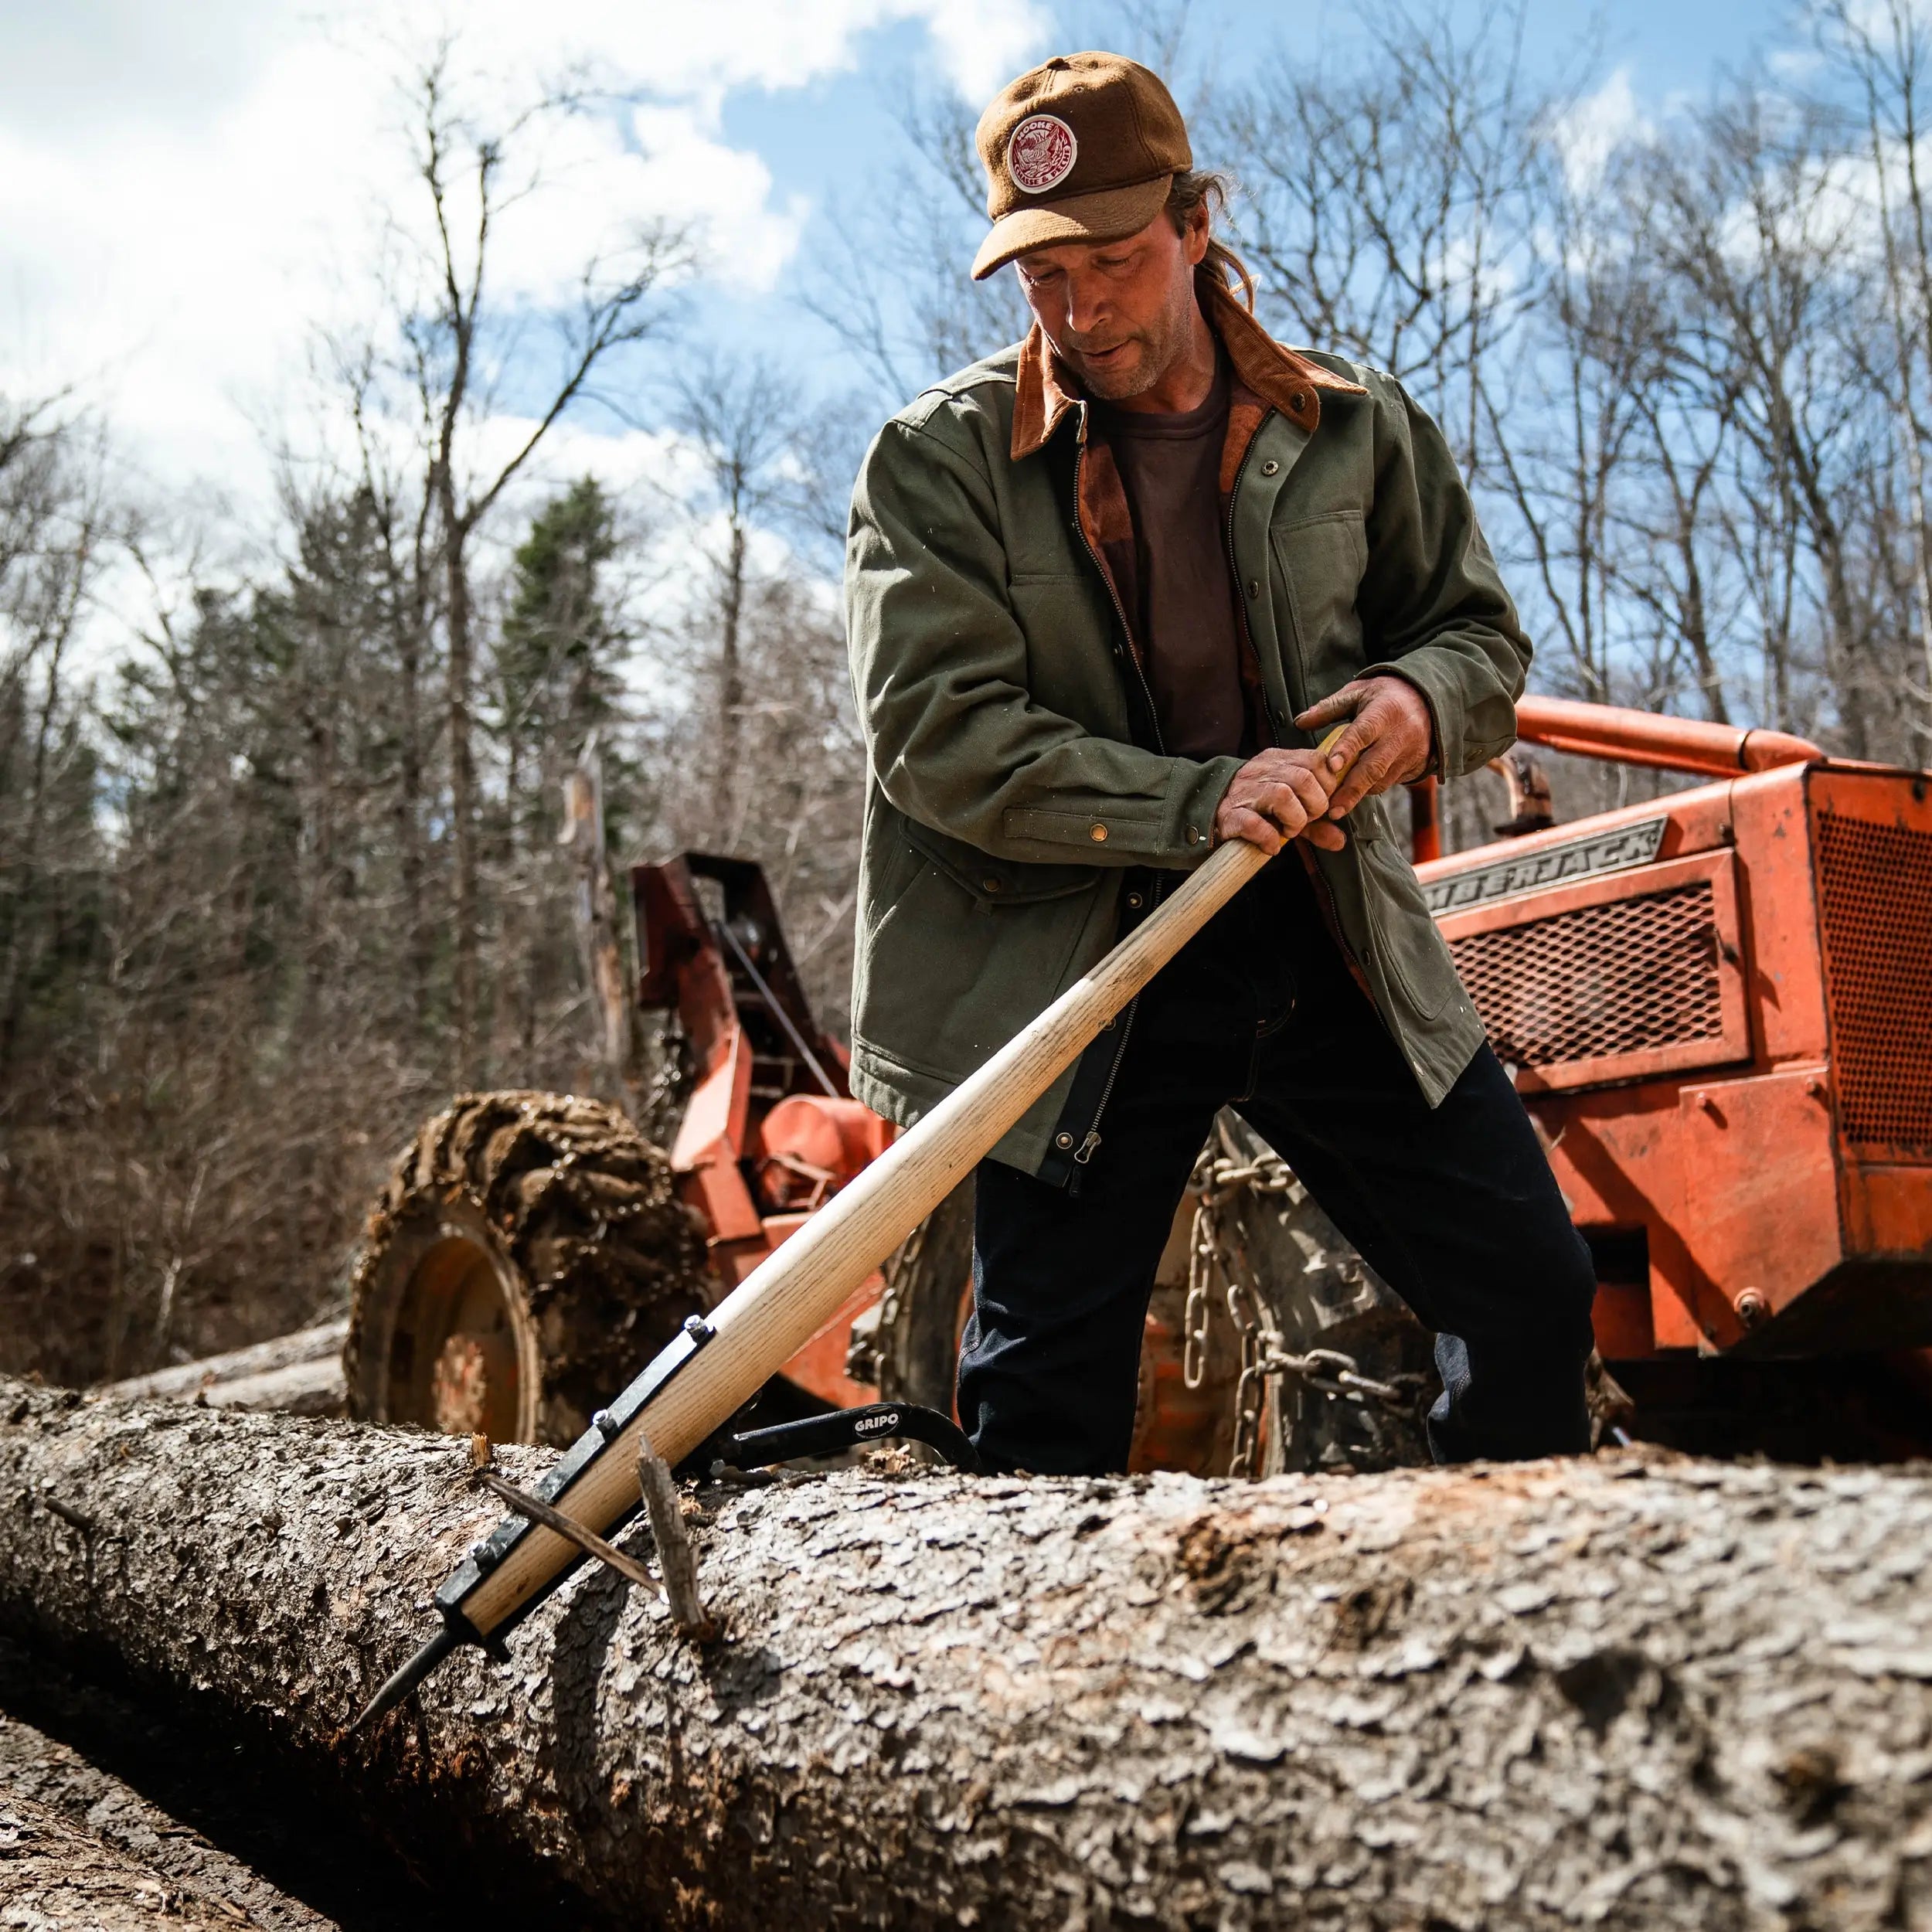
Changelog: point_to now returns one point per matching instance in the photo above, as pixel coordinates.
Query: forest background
(280, 777)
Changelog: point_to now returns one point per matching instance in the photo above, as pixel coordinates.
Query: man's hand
(1277, 796)
(1389, 742)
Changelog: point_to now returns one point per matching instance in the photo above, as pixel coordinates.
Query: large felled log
(55, 1873)
(210, 1813)
(1632, 1692)
(299, 1374)
(66, 1813)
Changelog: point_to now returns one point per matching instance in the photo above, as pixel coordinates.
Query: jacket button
(1269, 466)
(991, 884)
(1134, 902)
(1062, 1140)
(1254, 587)
(1194, 834)
(1098, 835)
(1297, 402)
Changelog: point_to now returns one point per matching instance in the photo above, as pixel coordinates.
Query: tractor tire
(929, 1293)
(1317, 1293)
(527, 1257)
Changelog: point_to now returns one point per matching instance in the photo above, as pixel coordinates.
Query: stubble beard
(1161, 347)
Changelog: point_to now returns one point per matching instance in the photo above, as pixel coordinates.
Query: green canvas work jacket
(1020, 812)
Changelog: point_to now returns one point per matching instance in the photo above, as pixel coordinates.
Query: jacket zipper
(1234, 567)
(1088, 1147)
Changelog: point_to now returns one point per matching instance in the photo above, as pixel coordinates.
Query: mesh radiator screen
(1626, 977)
(1875, 889)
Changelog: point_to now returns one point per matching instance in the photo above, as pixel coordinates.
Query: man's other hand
(1277, 796)
(1389, 742)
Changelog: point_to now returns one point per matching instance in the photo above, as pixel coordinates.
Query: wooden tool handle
(785, 1301)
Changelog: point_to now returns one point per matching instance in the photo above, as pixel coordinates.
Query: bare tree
(1390, 206)
(743, 422)
(52, 514)
(1756, 240)
(471, 167)
(897, 289)
(1887, 48)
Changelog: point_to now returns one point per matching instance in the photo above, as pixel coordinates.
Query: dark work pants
(1455, 1207)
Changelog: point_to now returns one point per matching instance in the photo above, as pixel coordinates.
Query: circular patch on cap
(1040, 155)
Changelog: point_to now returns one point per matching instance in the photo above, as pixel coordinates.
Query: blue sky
(191, 191)
(810, 133)
(815, 137)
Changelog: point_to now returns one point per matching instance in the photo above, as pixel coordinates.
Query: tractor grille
(1629, 976)
(1875, 886)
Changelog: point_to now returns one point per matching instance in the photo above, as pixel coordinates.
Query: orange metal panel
(1886, 797)
(1594, 986)
(704, 1155)
(1872, 834)
(819, 1367)
(1617, 1157)
(1761, 1191)
(1621, 1315)
(732, 1260)
(1780, 912)
(1888, 1210)
(1694, 820)
(838, 1135)
(714, 1116)
(1873, 839)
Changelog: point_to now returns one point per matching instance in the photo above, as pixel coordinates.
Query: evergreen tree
(560, 655)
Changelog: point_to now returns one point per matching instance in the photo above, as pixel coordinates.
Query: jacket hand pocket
(1415, 958)
(991, 883)
(968, 952)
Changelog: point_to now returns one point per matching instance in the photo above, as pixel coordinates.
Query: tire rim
(462, 1353)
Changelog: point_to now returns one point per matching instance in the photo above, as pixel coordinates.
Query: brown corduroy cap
(1082, 148)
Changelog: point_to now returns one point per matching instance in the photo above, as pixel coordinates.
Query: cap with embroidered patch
(1082, 148)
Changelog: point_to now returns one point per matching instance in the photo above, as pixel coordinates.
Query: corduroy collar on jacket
(1289, 383)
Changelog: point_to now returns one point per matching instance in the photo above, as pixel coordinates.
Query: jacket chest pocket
(1322, 561)
(1072, 666)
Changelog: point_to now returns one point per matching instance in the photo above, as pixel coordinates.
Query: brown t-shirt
(1180, 600)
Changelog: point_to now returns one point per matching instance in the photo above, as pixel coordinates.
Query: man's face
(1119, 313)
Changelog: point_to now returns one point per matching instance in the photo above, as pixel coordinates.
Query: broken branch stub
(676, 1560)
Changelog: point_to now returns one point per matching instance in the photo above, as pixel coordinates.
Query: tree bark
(605, 977)
(1639, 1691)
(456, 619)
(55, 1873)
(124, 1840)
(731, 694)
(299, 1374)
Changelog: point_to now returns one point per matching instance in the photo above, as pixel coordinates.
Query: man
(1105, 591)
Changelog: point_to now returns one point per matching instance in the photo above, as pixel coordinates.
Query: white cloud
(170, 271)
(699, 51)
(749, 236)
(188, 189)
(1590, 134)
(985, 43)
